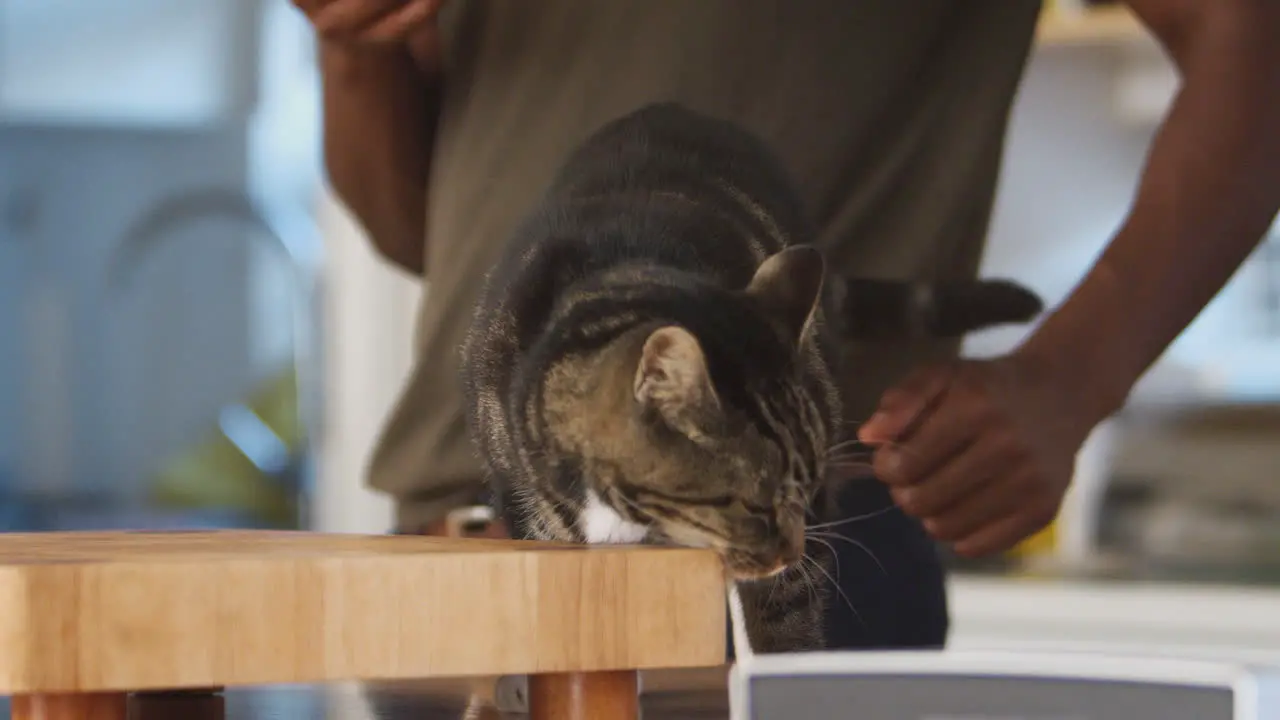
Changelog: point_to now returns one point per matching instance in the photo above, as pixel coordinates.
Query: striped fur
(650, 360)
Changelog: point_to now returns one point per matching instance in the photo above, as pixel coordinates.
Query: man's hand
(981, 451)
(369, 21)
(381, 70)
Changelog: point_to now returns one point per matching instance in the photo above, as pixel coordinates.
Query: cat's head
(713, 434)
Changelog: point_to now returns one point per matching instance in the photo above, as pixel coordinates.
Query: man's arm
(983, 450)
(380, 112)
(1210, 189)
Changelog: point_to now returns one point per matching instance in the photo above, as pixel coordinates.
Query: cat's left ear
(789, 286)
(672, 376)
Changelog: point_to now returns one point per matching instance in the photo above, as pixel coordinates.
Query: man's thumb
(902, 406)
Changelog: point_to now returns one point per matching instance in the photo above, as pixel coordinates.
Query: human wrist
(351, 55)
(348, 60)
(1080, 372)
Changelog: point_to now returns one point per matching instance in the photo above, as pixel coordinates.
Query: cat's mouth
(746, 566)
(742, 562)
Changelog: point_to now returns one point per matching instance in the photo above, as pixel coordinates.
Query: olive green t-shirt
(889, 114)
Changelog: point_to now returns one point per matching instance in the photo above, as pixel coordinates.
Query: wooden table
(88, 618)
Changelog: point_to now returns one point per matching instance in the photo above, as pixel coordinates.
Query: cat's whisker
(810, 588)
(842, 445)
(843, 595)
(830, 548)
(895, 446)
(850, 520)
(828, 536)
(870, 554)
(850, 474)
(848, 456)
(866, 467)
(867, 453)
(855, 543)
(845, 449)
(773, 588)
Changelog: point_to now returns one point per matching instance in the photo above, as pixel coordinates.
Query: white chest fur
(602, 525)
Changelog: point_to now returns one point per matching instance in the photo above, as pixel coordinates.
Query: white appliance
(969, 685)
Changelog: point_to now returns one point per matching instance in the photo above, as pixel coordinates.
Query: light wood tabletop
(84, 613)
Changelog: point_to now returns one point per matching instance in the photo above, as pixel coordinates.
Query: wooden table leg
(80, 706)
(204, 704)
(584, 696)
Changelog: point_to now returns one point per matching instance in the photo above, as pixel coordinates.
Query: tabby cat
(651, 360)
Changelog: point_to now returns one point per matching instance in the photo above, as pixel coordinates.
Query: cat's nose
(777, 569)
(791, 552)
(791, 542)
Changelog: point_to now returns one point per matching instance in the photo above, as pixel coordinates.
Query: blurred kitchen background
(193, 333)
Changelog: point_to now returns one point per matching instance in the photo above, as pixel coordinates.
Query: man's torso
(890, 117)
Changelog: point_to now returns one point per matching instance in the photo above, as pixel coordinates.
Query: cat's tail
(894, 309)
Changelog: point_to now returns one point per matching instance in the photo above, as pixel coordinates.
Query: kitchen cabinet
(1222, 622)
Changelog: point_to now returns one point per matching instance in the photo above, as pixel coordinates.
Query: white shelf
(1147, 617)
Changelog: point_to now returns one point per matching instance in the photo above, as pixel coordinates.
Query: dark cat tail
(895, 309)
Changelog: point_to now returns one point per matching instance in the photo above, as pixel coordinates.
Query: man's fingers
(993, 538)
(987, 505)
(400, 23)
(1003, 534)
(901, 407)
(941, 437)
(955, 482)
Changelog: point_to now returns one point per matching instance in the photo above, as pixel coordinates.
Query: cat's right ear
(672, 376)
(788, 285)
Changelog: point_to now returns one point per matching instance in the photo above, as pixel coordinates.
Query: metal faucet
(293, 235)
